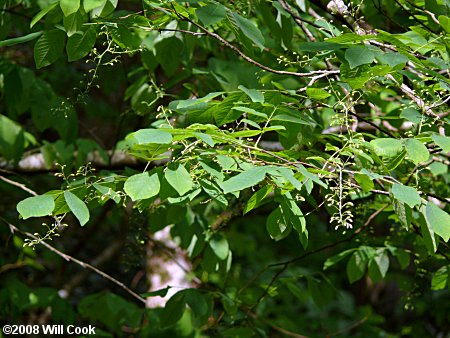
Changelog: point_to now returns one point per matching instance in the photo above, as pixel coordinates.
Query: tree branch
(249, 59)
(75, 260)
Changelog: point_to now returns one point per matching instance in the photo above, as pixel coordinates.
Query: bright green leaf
(69, 6)
(416, 150)
(438, 220)
(408, 195)
(91, 4)
(388, 147)
(36, 206)
(42, 13)
(317, 93)
(142, 186)
(157, 136)
(440, 278)
(179, 178)
(244, 180)
(442, 141)
(256, 199)
(77, 206)
(255, 96)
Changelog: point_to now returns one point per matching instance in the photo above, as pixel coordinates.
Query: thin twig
(249, 59)
(75, 260)
(19, 185)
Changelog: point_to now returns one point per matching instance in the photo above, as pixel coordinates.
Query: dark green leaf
(211, 14)
(257, 198)
(356, 267)
(48, 48)
(80, 44)
(249, 29)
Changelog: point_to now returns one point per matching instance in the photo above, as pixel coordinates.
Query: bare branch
(75, 260)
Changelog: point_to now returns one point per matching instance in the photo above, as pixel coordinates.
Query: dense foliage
(296, 150)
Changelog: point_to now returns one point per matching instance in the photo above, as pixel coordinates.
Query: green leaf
(256, 199)
(429, 239)
(403, 212)
(254, 95)
(438, 220)
(124, 38)
(388, 147)
(394, 162)
(12, 139)
(251, 111)
(142, 186)
(73, 23)
(379, 265)
(310, 176)
(77, 206)
(144, 136)
(42, 13)
(392, 59)
(197, 302)
(22, 39)
(36, 206)
(317, 93)
(160, 292)
(402, 258)
(91, 4)
(356, 266)
(444, 21)
(244, 180)
(173, 311)
(337, 258)
(408, 195)
(49, 48)
(179, 178)
(440, 278)
(417, 152)
(278, 225)
(359, 55)
(106, 8)
(69, 6)
(219, 245)
(442, 141)
(412, 115)
(364, 181)
(80, 44)
(211, 14)
(249, 29)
